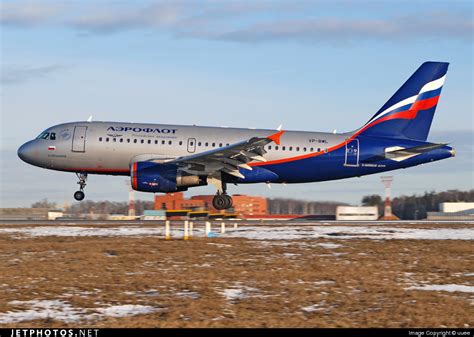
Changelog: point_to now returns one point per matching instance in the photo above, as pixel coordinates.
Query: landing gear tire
(222, 201)
(79, 195)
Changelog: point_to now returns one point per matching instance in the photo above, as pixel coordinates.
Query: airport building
(453, 211)
(351, 213)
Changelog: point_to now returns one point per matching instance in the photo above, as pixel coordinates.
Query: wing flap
(230, 158)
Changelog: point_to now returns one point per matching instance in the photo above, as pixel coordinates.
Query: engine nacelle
(153, 177)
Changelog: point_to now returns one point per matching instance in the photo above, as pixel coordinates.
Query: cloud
(21, 74)
(112, 20)
(343, 29)
(28, 14)
(247, 22)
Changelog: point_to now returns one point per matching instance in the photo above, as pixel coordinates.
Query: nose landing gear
(79, 195)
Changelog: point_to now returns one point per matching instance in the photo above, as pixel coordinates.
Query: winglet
(276, 137)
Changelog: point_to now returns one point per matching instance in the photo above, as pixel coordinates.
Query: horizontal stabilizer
(399, 153)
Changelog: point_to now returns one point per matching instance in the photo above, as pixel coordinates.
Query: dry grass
(363, 285)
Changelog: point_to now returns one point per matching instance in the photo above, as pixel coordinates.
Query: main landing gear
(79, 195)
(221, 200)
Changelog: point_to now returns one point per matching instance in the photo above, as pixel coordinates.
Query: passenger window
(135, 141)
(142, 141)
(227, 144)
(220, 144)
(128, 140)
(149, 141)
(319, 149)
(192, 143)
(276, 147)
(304, 149)
(100, 139)
(107, 139)
(297, 148)
(121, 140)
(207, 144)
(162, 142)
(180, 142)
(199, 144)
(283, 148)
(156, 142)
(311, 150)
(213, 144)
(269, 147)
(169, 142)
(114, 139)
(291, 148)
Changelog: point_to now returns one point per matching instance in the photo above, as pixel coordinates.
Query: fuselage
(112, 147)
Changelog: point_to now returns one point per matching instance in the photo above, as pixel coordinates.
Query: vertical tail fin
(409, 112)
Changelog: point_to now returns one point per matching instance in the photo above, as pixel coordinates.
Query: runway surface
(231, 221)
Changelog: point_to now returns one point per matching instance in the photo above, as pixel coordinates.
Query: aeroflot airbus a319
(170, 158)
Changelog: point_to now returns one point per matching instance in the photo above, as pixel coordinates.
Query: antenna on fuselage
(89, 119)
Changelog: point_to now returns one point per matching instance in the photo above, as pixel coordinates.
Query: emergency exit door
(191, 145)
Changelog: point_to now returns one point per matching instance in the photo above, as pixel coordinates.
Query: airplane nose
(25, 152)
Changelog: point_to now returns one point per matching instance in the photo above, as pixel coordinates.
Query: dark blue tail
(409, 112)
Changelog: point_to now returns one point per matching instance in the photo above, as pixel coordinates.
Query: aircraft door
(191, 145)
(79, 139)
(352, 153)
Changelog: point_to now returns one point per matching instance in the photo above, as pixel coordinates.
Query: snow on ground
(239, 292)
(293, 232)
(444, 287)
(352, 232)
(329, 245)
(126, 310)
(314, 307)
(42, 309)
(84, 231)
(188, 293)
(63, 311)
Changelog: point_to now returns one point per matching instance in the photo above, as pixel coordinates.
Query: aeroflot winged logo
(137, 129)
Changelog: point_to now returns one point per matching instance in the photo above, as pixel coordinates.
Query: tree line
(415, 207)
(409, 207)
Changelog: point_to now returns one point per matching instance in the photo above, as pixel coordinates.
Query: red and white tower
(131, 200)
(387, 182)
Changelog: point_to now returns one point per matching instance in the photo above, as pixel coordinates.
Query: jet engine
(153, 177)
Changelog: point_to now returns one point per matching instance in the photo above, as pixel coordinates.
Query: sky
(317, 66)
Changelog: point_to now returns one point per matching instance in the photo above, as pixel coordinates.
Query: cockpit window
(47, 135)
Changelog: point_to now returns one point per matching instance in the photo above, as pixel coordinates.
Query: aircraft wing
(229, 158)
